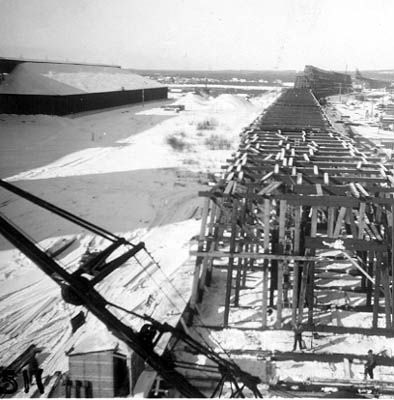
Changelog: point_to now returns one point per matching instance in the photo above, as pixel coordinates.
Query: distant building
(33, 87)
(323, 83)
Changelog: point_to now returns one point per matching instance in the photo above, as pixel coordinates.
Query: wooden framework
(294, 187)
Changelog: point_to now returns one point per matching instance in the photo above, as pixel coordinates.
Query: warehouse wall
(69, 104)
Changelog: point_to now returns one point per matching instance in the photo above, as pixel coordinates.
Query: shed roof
(98, 342)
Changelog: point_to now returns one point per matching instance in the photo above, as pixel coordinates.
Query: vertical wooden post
(371, 273)
(230, 264)
(350, 221)
(392, 264)
(279, 299)
(301, 301)
(266, 221)
(197, 269)
(240, 262)
(297, 232)
(330, 222)
(211, 234)
(206, 261)
(386, 288)
(314, 222)
(339, 222)
(216, 231)
(376, 292)
(274, 266)
(244, 265)
(311, 282)
(363, 256)
(361, 221)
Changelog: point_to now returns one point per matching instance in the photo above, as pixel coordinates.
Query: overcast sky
(202, 34)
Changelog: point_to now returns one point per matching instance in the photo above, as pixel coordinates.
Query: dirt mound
(230, 102)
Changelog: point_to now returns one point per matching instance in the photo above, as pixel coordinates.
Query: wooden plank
(330, 221)
(280, 293)
(239, 246)
(229, 187)
(370, 260)
(337, 189)
(274, 266)
(217, 233)
(392, 265)
(205, 262)
(354, 178)
(310, 288)
(296, 199)
(230, 266)
(339, 222)
(376, 294)
(296, 251)
(305, 273)
(387, 296)
(239, 269)
(260, 256)
(314, 222)
(323, 201)
(337, 171)
(267, 209)
(351, 222)
(197, 269)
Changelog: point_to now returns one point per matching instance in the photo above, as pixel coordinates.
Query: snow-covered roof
(67, 79)
(98, 342)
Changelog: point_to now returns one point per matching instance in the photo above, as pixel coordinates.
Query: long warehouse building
(65, 88)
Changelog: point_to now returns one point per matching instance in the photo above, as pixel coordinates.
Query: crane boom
(97, 305)
(78, 289)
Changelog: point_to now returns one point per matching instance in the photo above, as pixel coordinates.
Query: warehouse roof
(67, 79)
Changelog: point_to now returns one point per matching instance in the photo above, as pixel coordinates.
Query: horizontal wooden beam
(349, 244)
(256, 256)
(296, 199)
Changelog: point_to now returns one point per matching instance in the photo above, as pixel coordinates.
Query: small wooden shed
(98, 368)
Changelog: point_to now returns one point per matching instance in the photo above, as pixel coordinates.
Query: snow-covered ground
(248, 344)
(224, 116)
(365, 115)
(135, 171)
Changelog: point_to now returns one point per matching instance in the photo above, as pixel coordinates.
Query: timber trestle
(297, 191)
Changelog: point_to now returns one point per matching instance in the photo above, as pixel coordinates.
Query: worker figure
(271, 317)
(30, 370)
(369, 365)
(298, 337)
